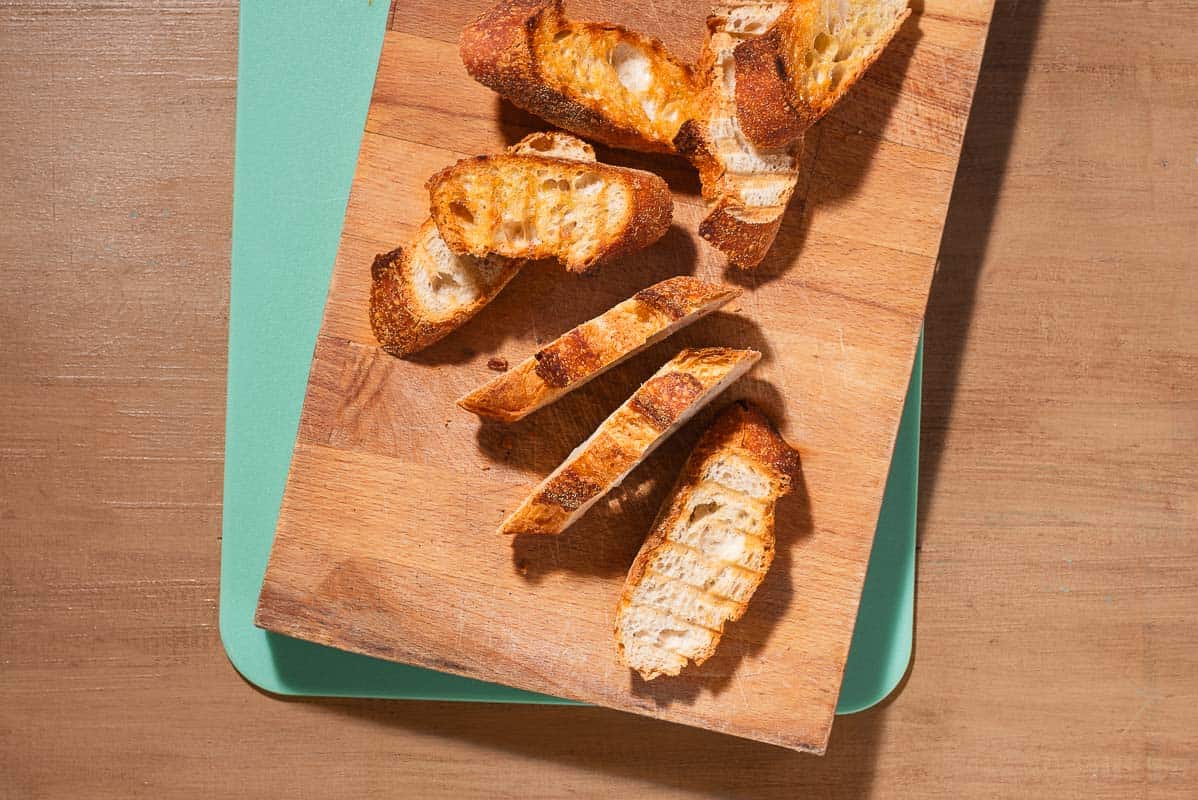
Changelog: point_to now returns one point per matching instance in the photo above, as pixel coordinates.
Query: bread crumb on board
(497, 364)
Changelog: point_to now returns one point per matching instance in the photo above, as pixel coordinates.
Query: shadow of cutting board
(385, 543)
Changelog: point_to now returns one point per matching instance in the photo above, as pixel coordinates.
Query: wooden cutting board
(385, 542)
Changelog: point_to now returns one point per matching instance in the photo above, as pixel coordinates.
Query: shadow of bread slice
(818, 49)
(710, 546)
(596, 346)
(659, 407)
(521, 205)
(421, 292)
(747, 188)
(595, 79)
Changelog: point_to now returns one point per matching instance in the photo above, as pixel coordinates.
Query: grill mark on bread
(662, 400)
(674, 298)
(675, 615)
(567, 359)
(569, 490)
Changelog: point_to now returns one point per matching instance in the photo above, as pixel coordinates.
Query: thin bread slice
(815, 53)
(634, 430)
(534, 206)
(596, 346)
(421, 292)
(710, 547)
(747, 188)
(595, 79)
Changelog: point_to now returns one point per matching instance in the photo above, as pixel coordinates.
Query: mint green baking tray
(305, 74)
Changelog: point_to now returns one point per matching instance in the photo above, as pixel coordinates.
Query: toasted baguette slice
(533, 206)
(824, 47)
(634, 430)
(710, 547)
(421, 292)
(595, 79)
(747, 188)
(596, 346)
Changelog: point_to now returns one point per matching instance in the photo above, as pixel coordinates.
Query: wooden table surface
(1056, 644)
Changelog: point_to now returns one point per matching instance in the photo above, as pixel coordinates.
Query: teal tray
(305, 74)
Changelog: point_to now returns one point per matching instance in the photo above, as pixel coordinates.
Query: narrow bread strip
(794, 75)
(634, 430)
(710, 547)
(747, 188)
(533, 206)
(421, 292)
(596, 346)
(595, 79)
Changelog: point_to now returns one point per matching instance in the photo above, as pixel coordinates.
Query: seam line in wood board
(695, 202)
(974, 53)
(375, 129)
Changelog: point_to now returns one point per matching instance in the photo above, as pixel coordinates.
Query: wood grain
(382, 545)
(1058, 446)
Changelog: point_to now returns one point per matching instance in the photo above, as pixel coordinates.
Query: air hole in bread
(513, 229)
(632, 67)
(836, 76)
(823, 43)
(443, 280)
(461, 212)
(587, 182)
(702, 510)
(548, 185)
(562, 34)
(541, 143)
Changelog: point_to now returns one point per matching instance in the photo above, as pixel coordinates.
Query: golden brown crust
(595, 346)
(681, 296)
(745, 243)
(470, 201)
(741, 431)
(402, 322)
(747, 188)
(661, 400)
(568, 359)
(762, 104)
(774, 104)
(509, 49)
(632, 432)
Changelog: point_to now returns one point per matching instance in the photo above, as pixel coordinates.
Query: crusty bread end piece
(813, 56)
(709, 548)
(596, 346)
(595, 79)
(747, 188)
(421, 292)
(634, 430)
(533, 206)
